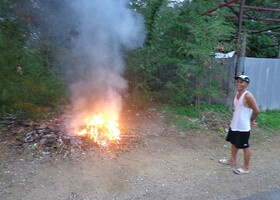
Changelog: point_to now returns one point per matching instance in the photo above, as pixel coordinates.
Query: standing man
(246, 111)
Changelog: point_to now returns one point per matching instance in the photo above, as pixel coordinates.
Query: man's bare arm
(251, 101)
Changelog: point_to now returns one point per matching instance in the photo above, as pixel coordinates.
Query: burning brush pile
(101, 130)
(52, 137)
(105, 132)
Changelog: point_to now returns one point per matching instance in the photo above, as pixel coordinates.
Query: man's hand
(253, 123)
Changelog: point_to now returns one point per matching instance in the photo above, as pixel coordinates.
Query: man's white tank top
(241, 120)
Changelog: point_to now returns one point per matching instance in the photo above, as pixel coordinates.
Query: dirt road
(168, 164)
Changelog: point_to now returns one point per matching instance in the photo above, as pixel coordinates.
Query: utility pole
(243, 46)
(240, 20)
(279, 49)
(239, 41)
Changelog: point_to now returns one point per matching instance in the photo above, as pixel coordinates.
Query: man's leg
(234, 151)
(247, 155)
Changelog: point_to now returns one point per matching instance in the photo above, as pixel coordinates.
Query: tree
(27, 80)
(175, 62)
(258, 25)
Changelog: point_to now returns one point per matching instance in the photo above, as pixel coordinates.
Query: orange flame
(101, 130)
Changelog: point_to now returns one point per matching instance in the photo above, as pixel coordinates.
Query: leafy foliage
(177, 58)
(262, 45)
(258, 25)
(27, 79)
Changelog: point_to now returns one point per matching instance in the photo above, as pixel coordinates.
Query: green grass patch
(259, 135)
(184, 118)
(217, 108)
(181, 122)
(269, 120)
(187, 118)
(221, 135)
(186, 111)
(191, 111)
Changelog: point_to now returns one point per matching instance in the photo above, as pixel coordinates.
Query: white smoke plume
(106, 30)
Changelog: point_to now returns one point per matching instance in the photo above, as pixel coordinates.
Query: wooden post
(243, 46)
(240, 20)
(279, 49)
